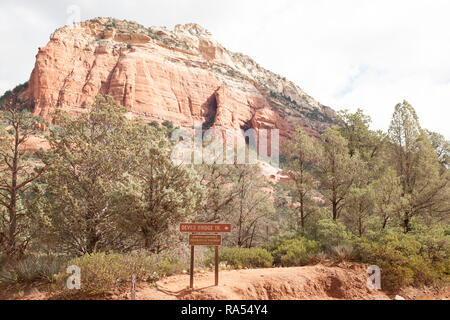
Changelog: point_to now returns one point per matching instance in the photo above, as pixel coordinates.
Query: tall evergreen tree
(301, 155)
(423, 183)
(337, 169)
(252, 207)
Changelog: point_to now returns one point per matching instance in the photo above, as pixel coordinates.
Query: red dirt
(301, 283)
(311, 282)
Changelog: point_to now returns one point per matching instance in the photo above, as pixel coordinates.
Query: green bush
(407, 259)
(329, 233)
(170, 265)
(293, 252)
(16, 90)
(244, 258)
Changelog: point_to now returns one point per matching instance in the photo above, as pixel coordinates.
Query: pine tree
(252, 207)
(301, 155)
(424, 184)
(355, 128)
(337, 169)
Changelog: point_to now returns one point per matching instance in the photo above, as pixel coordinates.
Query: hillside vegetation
(107, 197)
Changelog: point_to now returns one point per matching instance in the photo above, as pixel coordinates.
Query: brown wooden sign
(205, 227)
(211, 238)
(205, 239)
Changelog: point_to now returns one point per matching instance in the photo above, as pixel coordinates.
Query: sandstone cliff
(181, 75)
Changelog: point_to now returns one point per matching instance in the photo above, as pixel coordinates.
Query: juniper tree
(111, 184)
(18, 171)
(157, 194)
(89, 156)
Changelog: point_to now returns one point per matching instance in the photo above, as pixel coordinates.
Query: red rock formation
(181, 75)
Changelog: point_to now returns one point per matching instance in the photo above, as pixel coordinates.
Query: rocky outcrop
(181, 75)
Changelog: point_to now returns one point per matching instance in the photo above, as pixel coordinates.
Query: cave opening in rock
(209, 109)
(247, 126)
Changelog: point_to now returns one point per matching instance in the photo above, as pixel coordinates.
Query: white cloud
(346, 54)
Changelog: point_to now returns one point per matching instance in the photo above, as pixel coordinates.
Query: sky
(347, 54)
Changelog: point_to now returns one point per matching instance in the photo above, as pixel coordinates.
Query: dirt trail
(311, 282)
(317, 282)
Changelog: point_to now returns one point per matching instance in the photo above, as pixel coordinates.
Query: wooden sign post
(191, 270)
(216, 266)
(205, 234)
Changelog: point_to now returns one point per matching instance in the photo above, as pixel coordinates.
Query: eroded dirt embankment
(311, 282)
(317, 282)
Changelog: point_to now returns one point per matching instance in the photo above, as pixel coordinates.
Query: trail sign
(205, 239)
(205, 227)
(209, 237)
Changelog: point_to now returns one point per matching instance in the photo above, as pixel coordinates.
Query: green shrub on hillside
(16, 90)
(170, 265)
(244, 258)
(293, 252)
(329, 233)
(407, 259)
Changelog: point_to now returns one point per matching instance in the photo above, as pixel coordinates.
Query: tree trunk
(12, 209)
(240, 242)
(360, 226)
(335, 214)
(253, 235)
(385, 220)
(302, 212)
(93, 239)
(406, 223)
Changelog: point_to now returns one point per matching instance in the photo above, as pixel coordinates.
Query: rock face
(183, 76)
